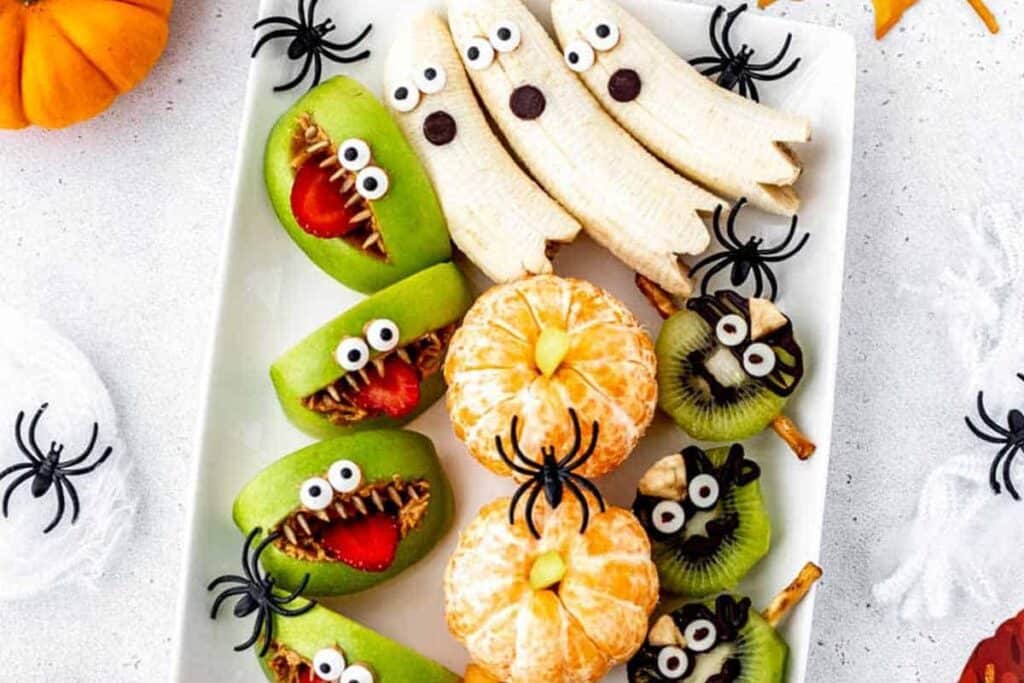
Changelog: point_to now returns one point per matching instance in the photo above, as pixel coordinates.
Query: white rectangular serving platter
(271, 296)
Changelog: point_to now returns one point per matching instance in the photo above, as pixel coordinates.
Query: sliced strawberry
(369, 543)
(317, 203)
(395, 394)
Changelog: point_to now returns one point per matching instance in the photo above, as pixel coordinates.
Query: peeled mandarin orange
(537, 347)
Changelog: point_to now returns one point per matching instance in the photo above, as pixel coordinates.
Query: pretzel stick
(659, 298)
(792, 594)
(794, 438)
(986, 15)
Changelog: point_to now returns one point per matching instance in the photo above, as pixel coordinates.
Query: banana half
(718, 138)
(496, 214)
(627, 200)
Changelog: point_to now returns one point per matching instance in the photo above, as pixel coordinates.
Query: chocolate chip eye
(372, 183)
(673, 662)
(316, 494)
(704, 491)
(701, 635)
(431, 79)
(357, 673)
(354, 154)
(731, 330)
(579, 56)
(479, 54)
(345, 476)
(668, 517)
(328, 665)
(352, 354)
(759, 360)
(404, 96)
(383, 334)
(603, 36)
(505, 36)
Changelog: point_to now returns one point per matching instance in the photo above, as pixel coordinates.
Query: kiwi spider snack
(706, 519)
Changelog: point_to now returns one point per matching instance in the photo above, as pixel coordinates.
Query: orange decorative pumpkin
(64, 61)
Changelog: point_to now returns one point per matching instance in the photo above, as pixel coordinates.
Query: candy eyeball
(352, 354)
(316, 494)
(479, 54)
(673, 662)
(404, 96)
(372, 183)
(731, 330)
(505, 36)
(668, 517)
(345, 476)
(701, 635)
(704, 491)
(431, 79)
(357, 673)
(354, 154)
(579, 56)
(759, 360)
(329, 665)
(383, 334)
(603, 35)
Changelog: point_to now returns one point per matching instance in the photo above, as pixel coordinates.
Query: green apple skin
(274, 494)
(409, 216)
(426, 301)
(390, 662)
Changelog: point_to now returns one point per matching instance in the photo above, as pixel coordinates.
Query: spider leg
(269, 635)
(298, 79)
(295, 612)
(227, 578)
(708, 276)
(775, 257)
(742, 86)
(17, 482)
(311, 15)
(20, 466)
(713, 70)
(345, 60)
(727, 238)
(293, 595)
(273, 35)
(86, 470)
(758, 281)
(530, 502)
(709, 260)
(88, 449)
(577, 440)
(32, 431)
(246, 566)
(778, 58)
(513, 465)
(584, 506)
(772, 282)
(60, 506)
(352, 43)
(595, 429)
(514, 503)
(72, 494)
(256, 631)
(982, 435)
(259, 551)
(730, 224)
(589, 486)
(21, 444)
(287, 21)
(988, 420)
(519, 451)
(318, 69)
(774, 77)
(224, 596)
(993, 473)
(716, 16)
(727, 29)
(702, 61)
(1008, 474)
(754, 94)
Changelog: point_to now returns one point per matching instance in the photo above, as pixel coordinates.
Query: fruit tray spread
(524, 364)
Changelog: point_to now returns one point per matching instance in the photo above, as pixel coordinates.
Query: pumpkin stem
(547, 570)
(551, 349)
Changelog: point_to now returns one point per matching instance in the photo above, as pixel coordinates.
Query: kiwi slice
(706, 519)
(718, 641)
(726, 366)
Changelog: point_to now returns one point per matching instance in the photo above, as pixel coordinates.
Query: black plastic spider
(308, 40)
(746, 257)
(258, 594)
(1011, 437)
(736, 69)
(551, 476)
(47, 471)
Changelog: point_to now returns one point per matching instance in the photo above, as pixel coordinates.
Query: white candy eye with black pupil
(383, 334)
(328, 665)
(731, 330)
(704, 491)
(505, 36)
(579, 56)
(701, 635)
(603, 36)
(673, 662)
(354, 154)
(352, 354)
(759, 360)
(372, 183)
(357, 673)
(431, 79)
(479, 54)
(668, 517)
(404, 96)
(316, 494)
(345, 476)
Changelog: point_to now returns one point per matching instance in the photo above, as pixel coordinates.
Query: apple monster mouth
(356, 181)
(362, 393)
(288, 666)
(361, 528)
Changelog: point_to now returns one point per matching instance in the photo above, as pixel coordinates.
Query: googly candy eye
(383, 334)
(479, 54)
(701, 635)
(704, 491)
(345, 476)
(603, 36)
(731, 330)
(316, 494)
(579, 56)
(505, 36)
(404, 96)
(357, 673)
(759, 360)
(329, 665)
(372, 183)
(352, 354)
(431, 79)
(668, 517)
(354, 154)
(673, 662)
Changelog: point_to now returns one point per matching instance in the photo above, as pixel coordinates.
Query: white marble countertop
(112, 231)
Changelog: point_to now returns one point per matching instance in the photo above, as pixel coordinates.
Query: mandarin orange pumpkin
(64, 61)
(562, 608)
(535, 348)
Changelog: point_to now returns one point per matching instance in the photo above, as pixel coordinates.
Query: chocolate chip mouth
(336, 401)
(624, 85)
(311, 142)
(404, 501)
(527, 102)
(439, 128)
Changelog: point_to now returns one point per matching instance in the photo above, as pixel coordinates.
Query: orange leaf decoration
(889, 12)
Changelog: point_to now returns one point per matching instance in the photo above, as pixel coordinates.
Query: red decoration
(999, 659)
